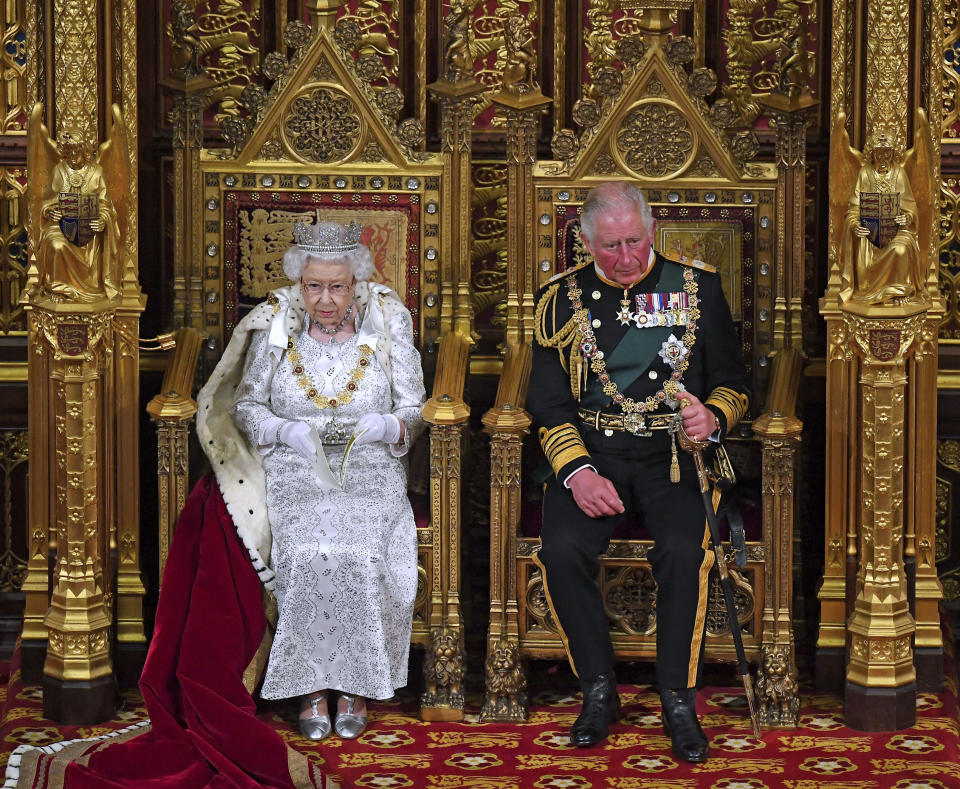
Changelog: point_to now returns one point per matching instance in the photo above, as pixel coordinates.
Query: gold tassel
(674, 463)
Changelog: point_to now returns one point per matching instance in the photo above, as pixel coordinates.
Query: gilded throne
(324, 141)
(650, 126)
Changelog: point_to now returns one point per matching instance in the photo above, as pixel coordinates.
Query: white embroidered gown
(345, 560)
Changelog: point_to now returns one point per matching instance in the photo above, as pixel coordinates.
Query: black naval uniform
(579, 424)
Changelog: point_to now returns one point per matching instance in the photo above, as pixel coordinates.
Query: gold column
(75, 341)
(40, 513)
(173, 410)
(840, 500)
(456, 92)
(779, 431)
(76, 85)
(522, 111)
(921, 511)
(921, 515)
(791, 117)
(186, 87)
(122, 439)
(507, 423)
(880, 687)
(447, 414)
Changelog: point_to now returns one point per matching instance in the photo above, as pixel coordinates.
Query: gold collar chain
(345, 395)
(589, 349)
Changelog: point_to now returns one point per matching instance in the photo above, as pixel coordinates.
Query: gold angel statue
(882, 242)
(78, 210)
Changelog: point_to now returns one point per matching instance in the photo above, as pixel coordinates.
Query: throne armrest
(446, 406)
(782, 391)
(173, 410)
(507, 413)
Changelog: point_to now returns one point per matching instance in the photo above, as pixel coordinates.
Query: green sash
(637, 349)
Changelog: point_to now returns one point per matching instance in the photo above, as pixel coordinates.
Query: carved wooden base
(506, 684)
(443, 677)
(778, 695)
(880, 709)
(79, 703)
(830, 670)
(128, 664)
(928, 664)
(33, 654)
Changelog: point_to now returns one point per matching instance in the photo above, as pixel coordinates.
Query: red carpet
(398, 750)
(206, 733)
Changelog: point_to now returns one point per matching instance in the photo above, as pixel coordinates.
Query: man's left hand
(698, 420)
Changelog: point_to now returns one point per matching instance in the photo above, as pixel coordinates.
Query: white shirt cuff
(581, 468)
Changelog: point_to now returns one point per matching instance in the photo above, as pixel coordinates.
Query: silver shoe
(317, 726)
(349, 725)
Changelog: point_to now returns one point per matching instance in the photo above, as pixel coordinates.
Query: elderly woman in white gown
(344, 551)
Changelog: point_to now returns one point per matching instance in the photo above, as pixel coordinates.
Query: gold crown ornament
(330, 239)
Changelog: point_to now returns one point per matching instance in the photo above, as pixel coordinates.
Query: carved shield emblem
(72, 338)
(884, 344)
(77, 214)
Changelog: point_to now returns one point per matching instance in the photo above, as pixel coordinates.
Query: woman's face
(327, 290)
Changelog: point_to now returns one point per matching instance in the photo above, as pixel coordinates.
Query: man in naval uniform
(625, 346)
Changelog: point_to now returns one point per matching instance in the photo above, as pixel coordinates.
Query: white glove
(296, 435)
(378, 427)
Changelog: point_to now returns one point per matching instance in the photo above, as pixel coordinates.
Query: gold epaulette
(694, 263)
(562, 274)
(551, 337)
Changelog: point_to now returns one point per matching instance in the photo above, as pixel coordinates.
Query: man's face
(621, 245)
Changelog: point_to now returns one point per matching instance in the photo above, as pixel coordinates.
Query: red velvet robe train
(204, 730)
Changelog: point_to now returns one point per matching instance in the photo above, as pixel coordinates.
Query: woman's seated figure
(335, 360)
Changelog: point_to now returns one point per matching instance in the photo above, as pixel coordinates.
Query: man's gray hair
(613, 196)
(360, 261)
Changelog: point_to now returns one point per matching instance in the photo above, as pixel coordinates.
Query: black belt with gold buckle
(636, 423)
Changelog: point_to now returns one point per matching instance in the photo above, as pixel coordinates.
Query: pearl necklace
(333, 332)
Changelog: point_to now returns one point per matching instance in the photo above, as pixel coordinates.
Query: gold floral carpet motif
(399, 750)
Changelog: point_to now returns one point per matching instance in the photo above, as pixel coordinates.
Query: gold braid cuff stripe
(561, 445)
(345, 395)
(733, 404)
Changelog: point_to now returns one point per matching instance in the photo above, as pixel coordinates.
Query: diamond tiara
(326, 240)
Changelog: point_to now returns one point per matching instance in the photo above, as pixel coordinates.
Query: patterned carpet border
(398, 750)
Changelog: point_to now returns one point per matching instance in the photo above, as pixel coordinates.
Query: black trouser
(571, 543)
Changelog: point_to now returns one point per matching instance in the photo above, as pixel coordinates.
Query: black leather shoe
(681, 725)
(601, 707)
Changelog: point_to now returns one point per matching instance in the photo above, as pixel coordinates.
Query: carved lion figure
(444, 669)
(777, 690)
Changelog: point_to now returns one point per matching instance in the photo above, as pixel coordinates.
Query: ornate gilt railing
(447, 414)
(173, 410)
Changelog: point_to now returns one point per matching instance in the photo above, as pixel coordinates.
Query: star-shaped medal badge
(673, 351)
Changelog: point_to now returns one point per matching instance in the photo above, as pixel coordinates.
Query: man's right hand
(595, 495)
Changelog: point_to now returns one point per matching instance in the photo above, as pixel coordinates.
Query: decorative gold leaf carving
(322, 125)
(656, 140)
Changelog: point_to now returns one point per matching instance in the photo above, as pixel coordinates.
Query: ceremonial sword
(695, 448)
